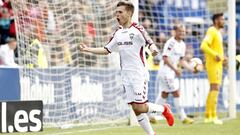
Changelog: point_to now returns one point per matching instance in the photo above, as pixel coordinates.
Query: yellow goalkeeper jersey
(212, 45)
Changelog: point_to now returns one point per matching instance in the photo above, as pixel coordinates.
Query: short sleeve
(145, 35)
(168, 48)
(112, 44)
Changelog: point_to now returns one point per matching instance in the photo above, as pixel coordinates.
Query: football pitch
(230, 127)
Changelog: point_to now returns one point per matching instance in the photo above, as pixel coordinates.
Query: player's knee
(214, 86)
(139, 108)
(136, 110)
(164, 94)
(176, 93)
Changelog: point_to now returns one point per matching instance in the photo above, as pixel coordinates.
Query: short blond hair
(177, 26)
(128, 5)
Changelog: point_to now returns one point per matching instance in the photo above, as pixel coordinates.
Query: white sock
(145, 123)
(179, 108)
(154, 108)
(160, 100)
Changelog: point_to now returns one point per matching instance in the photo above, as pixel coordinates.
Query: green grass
(230, 127)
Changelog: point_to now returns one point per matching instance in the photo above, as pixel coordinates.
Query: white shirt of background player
(7, 56)
(174, 50)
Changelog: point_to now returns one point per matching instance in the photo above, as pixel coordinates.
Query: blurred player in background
(129, 40)
(7, 53)
(173, 55)
(212, 46)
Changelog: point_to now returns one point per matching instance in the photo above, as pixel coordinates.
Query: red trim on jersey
(164, 56)
(107, 49)
(138, 102)
(113, 34)
(141, 55)
(133, 24)
(141, 31)
(150, 45)
(111, 38)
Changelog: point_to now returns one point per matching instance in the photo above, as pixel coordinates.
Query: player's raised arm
(98, 50)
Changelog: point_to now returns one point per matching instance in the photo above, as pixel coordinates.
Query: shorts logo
(139, 94)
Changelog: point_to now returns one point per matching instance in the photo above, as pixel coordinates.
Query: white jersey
(130, 43)
(174, 50)
(7, 56)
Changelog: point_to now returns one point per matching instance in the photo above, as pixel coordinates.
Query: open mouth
(118, 19)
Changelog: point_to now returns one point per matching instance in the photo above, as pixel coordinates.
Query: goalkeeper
(129, 40)
(212, 46)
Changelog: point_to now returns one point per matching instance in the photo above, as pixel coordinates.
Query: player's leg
(215, 78)
(141, 106)
(162, 94)
(134, 99)
(208, 109)
(144, 122)
(160, 100)
(211, 105)
(180, 109)
(156, 109)
(214, 100)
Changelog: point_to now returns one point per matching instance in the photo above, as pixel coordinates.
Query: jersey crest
(131, 35)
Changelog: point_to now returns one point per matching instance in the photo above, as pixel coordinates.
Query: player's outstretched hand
(83, 47)
(153, 50)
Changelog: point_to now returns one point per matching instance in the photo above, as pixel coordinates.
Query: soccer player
(129, 40)
(173, 55)
(212, 46)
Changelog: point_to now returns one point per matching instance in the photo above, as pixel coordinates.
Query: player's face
(13, 45)
(221, 21)
(180, 33)
(122, 15)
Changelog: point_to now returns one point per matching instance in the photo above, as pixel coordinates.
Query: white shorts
(136, 92)
(135, 86)
(168, 83)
